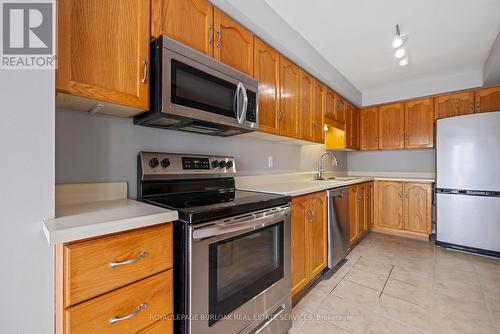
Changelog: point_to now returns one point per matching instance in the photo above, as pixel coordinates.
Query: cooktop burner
(211, 205)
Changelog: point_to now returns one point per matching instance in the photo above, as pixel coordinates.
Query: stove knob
(165, 163)
(229, 164)
(222, 164)
(153, 162)
(215, 164)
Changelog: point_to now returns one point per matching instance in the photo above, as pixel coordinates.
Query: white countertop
(82, 220)
(296, 184)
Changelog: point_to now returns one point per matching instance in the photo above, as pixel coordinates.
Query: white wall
(491, 70)
(421, 161)
(423, 86)
(264, 22)
(26, 196)
(103, 148)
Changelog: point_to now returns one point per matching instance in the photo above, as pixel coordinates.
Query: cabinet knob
(219, 37)
(144, 71)
(210, 34)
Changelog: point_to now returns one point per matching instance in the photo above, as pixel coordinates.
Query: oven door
(198, 87)
(240, 274)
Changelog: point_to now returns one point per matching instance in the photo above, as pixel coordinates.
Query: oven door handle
(249, 222)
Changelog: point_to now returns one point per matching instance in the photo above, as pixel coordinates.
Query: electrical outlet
(270, 161)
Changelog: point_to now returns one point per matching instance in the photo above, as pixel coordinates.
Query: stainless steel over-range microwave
(193, 92)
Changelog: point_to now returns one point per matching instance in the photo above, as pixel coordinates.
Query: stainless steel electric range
(231, 247)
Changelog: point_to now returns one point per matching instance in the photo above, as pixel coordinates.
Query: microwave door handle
(245, 105)
(237, 101)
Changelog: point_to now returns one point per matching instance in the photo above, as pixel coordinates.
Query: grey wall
(491, 70)
(392, 161)
(26, 197)
(103, 148)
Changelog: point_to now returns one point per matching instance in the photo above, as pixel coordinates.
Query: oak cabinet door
(454, 105)
(316, 234)
(300, 264)
(306, 106)
(488, 99)
(369, 128)
(369, 204)
(417, 207)
(103, 50)
(233, 43)
(419, 123)
(340, 109)
(391, 126)
(330, 103)
(362, 223)
(187, 21)
(318, 112)
(352, 128)
(289, 98)
(267, 72)
(390, 204)
(353, 214)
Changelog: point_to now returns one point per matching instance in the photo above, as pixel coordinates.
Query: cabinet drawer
(95, 315)
(88, 265)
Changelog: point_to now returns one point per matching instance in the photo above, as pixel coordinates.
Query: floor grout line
(387, 280)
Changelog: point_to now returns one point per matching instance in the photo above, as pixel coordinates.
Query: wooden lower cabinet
(403, 206)
(360, 210)
(309, 256)
(93, 290)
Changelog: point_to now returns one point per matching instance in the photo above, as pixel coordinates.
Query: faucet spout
(321, 168)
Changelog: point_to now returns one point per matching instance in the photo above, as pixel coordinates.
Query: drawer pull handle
(141, 256)
(116, 319)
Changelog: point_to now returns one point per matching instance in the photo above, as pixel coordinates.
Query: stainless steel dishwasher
(338, 225)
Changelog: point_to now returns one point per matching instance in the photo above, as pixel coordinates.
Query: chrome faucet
(321, 168)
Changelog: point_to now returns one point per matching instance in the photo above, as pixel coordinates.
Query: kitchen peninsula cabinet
(103, 55)
(309, 226)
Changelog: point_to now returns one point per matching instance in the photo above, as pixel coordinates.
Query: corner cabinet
(309, 254)
(103, 54)
(404, 206)
(267, 72)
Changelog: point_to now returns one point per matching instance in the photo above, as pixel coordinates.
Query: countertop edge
(108, 227)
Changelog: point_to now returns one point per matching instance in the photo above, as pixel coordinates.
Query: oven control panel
(166, 165)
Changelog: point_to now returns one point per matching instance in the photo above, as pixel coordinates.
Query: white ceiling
(445, 36)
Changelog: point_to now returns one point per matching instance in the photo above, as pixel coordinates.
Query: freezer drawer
(470, 221)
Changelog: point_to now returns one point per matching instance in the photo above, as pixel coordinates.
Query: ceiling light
(403, 62)
(400, 53)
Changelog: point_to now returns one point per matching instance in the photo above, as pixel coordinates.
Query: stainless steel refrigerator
(468, 182)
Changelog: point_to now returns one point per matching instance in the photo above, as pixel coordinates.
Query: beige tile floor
(396, 285)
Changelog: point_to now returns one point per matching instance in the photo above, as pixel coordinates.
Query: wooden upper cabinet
(289, 98)
(187, 21)
(299, 261)
(352, 128)
(306, 106)
(488, 99)
(454, 105)
(233, 43)
(318, 112)
(390, 204)
(419, 123)
(316, 234)
(340, 107)
(267, 72)
(330, 103)
(369, 128)
(391, 126)
(103, 50)
(418, 207)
